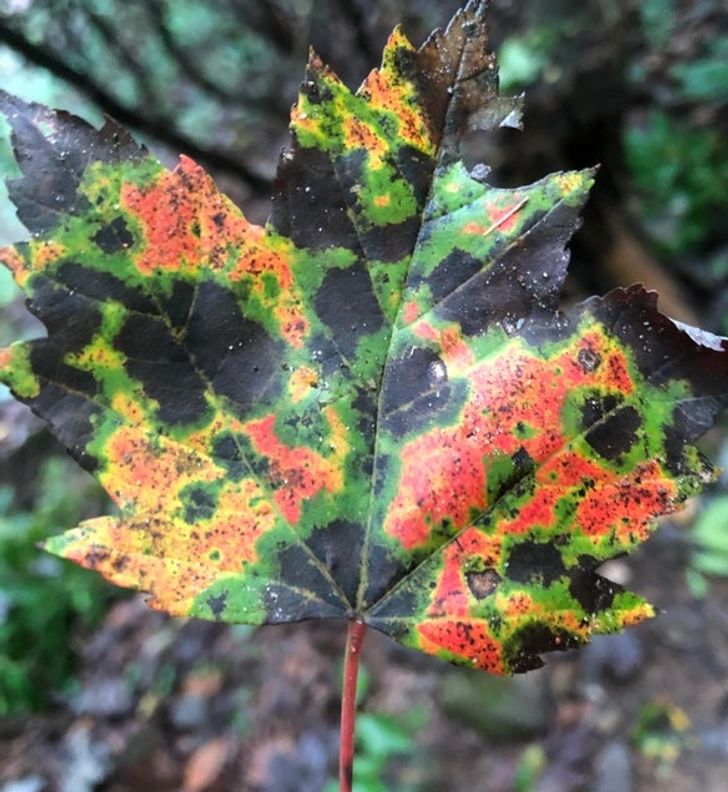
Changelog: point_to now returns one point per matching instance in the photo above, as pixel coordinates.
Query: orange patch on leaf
(260, 253)
(503, 218)
(467, 639)
(187, 224)
(128, 408)
(637, 615)
(137, 554)
(242, 516)
(359, 135)
(293, 324)
(518, 604)
(569, 469)
(146, 476)
(302, 380)
(452, 596)
(302, 121)
(6, 356)
(442, 478)
(338, 439)
(456, 354)
(454, 351)
(11, 259)
(155, 547)
(388, 89)
(537, 512)
(426, 331)
(45, 252)
(295, 474)
(629, 505)
(410, 312)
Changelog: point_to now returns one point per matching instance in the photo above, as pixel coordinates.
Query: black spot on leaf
(176, 307)
(616, 434)
(384, 570)
(400, 603)
(226, 451)
(163, 367)
(114, 236)
(593, 592)
(416, 169)
(596, 406)
(71, 417)
(411, 376)
(103, 286)
(199, 504)
(284, 604)
(217, 604)
(309, 206)
(346, 304)
(454, 270)
(234, 353)
(535, 561)
(335, 545)
(391, 242)
(522, 650)
(299, 569)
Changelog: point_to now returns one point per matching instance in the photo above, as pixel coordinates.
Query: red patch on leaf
(464, 638)
(629, 505)
(186, 222)
(444, 471)
(295, 474)
(452, 597)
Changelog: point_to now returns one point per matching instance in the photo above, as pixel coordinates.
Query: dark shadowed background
(98, 693)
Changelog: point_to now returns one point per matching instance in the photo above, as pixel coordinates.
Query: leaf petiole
(354, 639)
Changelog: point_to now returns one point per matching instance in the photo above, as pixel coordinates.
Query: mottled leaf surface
(371, 406)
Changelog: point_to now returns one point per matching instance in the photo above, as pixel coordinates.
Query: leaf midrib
(365, 551)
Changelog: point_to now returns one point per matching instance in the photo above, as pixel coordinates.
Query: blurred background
(98, 693)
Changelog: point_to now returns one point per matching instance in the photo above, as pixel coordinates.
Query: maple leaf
(371, 408)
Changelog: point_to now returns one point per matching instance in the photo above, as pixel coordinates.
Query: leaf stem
(354, 639)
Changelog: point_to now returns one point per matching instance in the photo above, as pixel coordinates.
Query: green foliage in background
(681, 174)
(43, 602)
(522, 59)
(661, 734)
(386, 743)
(657, 21)
(709, 538)
(529, 769)
(706, 78)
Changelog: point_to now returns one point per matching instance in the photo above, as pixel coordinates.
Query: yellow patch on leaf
(302, 380)
(387, 89)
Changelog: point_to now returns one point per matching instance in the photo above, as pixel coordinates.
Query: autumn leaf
(372, 407)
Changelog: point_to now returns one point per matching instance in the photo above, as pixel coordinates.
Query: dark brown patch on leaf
(484, 583)
(589, 360)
